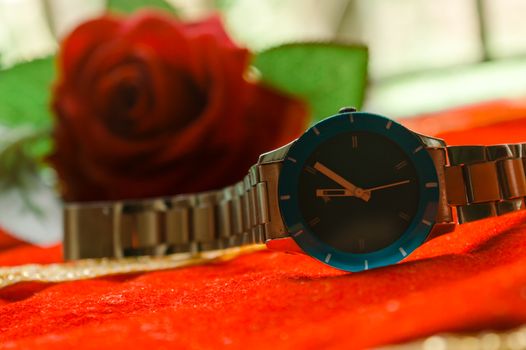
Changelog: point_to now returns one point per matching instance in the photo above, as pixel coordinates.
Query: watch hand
(387, 186)
(354, 190)
(333, 192)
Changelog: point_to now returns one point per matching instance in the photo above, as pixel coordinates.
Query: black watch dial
(358, 192)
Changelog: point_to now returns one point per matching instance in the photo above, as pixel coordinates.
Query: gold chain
(90, 268)
(507, 340)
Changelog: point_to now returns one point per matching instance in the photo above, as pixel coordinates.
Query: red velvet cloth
(471, 279)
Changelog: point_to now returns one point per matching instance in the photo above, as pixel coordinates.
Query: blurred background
(424, 56)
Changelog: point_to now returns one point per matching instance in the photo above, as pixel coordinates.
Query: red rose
(148, 106)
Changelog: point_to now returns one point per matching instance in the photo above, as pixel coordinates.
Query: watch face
(358, 191)
(377, 210)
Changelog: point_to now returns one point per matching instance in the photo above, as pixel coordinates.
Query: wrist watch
(356, 191)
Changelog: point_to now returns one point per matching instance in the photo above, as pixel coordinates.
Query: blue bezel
(419, 228)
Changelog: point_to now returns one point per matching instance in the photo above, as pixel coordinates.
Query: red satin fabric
(469, 280)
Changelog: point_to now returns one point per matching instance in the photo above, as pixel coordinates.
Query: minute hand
(387, 186)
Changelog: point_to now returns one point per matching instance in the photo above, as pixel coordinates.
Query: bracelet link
(476, 211)
(88, 231)
(177, 220)
(138, 228)
(455, 185)
(482, 182)
(204, 221)
(513, 178)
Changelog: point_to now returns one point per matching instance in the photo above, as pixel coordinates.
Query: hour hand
(353, 190)
(333, 192)
(341, 192)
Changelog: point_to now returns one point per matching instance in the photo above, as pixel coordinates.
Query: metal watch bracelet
(231, 217)
(486, 181)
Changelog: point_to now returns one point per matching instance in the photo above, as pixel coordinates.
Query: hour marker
(361, 244)
(328, 257)
(314, 221)
(310, 169)
(431, 184)
(400, 165)
(404, 216)
(316, 131)
(351, 118)
(425, 222)
(297, 233)
(366, 265)
(284, 197)
(419, 148)
(292, 159)
(388, 125)
(402, 250)
(355, 141)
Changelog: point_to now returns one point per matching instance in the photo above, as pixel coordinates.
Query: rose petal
(159, 34)
(78, 46)
(212, 26)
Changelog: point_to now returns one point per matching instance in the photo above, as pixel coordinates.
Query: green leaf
(224, 4)
(327, 75)
(22, 150)
(25, 91)
(130, 6)
(20, 165)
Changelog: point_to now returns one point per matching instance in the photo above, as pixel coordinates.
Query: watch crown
(347, 110)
